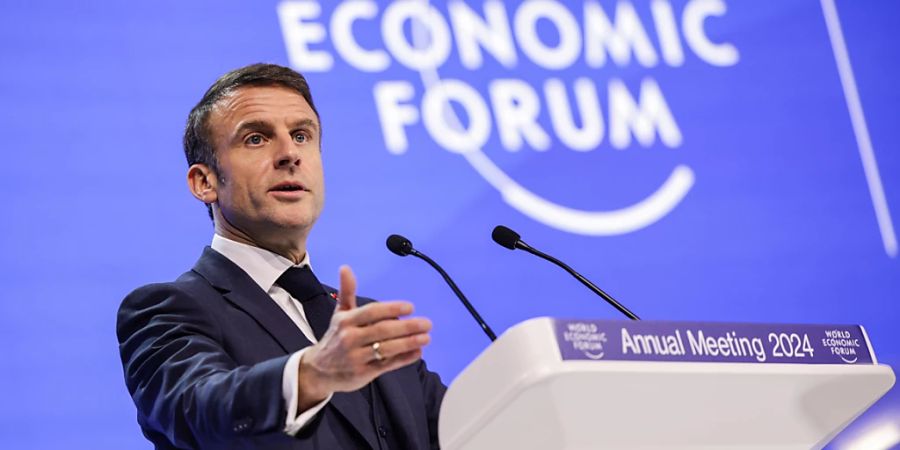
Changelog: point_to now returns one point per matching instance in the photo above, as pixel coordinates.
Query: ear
(203, 182)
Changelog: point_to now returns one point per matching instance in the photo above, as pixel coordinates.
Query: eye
(300, 138)
(254, 139)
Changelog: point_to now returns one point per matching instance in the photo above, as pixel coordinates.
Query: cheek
(244, 182)
(315, 173)
(235, 192)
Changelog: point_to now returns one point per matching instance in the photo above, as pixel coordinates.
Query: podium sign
(712, 342)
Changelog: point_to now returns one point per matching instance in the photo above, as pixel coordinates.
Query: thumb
(347, 292)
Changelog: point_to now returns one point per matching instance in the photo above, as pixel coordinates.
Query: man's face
(270, 180)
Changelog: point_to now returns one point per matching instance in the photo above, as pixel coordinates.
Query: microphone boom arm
(583, 280)
(484, 326)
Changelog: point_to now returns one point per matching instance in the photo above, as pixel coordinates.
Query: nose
(288, 155)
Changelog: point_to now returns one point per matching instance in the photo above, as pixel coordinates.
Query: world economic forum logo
(553, 36)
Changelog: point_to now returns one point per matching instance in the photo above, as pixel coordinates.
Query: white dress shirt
(265, 267)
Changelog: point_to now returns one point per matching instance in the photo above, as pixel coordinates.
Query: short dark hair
(198, 145)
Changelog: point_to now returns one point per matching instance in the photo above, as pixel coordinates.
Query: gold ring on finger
(376, 351)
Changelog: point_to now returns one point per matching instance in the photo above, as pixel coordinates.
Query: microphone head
(505, 237)
(399, 245)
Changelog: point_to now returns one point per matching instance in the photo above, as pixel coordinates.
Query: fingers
(394, 336)
(393, 329)
(399, 361)
(396, 348)
(347, 292)
(376, 312)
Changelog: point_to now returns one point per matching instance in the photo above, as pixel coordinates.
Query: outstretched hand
(360, 344)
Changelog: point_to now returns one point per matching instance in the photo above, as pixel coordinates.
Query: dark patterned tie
(305, 288)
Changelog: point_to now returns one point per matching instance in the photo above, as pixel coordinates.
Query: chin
(291, 219)
(294, 223)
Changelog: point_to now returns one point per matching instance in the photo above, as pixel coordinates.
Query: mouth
(288, 190)
(288, 186)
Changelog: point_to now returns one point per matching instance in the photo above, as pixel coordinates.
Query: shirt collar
(263, 266)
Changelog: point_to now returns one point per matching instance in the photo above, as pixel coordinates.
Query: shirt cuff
(290, 390)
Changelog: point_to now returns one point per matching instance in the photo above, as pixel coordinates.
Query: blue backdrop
(704, 160)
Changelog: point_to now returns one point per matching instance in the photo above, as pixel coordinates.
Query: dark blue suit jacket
(204, 356)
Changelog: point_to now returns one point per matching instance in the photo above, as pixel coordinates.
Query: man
(248, 349)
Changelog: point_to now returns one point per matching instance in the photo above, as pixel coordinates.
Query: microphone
(511, 240)
(401, 246)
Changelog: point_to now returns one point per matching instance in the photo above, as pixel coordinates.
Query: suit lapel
(238, 288)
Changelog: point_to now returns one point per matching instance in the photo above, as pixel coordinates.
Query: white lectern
(582, 384)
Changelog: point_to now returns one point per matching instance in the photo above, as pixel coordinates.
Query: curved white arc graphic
(860, 129)
(594, 223)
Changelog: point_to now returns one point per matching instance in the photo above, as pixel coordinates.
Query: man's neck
(295, 251)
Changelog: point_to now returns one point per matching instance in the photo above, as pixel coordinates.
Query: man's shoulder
(186, 284)
(185, 289)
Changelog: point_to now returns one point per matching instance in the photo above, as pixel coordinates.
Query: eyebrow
(305, 123)
(252, 125)
(267, 128)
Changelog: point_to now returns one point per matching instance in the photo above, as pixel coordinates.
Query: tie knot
(301, 283)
